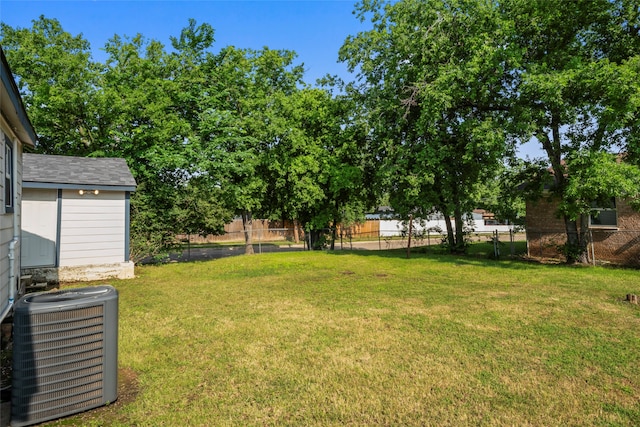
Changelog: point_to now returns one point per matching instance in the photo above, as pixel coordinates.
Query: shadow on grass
(205, 253)
(477, 256)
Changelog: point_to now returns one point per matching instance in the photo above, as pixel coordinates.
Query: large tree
(315, 167)
(58, 83)
(238, 130)
(577, 93)
(434, 75)
(134, 106)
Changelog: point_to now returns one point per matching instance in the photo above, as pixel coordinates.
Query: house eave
(59, 186)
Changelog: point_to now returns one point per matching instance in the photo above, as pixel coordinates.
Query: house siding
(7, 220)
(16, 130)
(92, 228)
(39, 227)
(546, 232)
(6, 233)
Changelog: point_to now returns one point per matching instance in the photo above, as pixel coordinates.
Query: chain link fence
(358, 237)
(604, 246)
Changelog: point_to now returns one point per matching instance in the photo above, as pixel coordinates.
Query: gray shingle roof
(68, 172)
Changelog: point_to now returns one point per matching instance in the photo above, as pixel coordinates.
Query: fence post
(593, 248)
(409, 241)
(512, 239)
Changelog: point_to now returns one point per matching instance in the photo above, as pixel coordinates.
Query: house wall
(394, 227)
(621, 245)
(6, 234)
(7, 220)
(39, 227)
(545, 232)
(92, 228)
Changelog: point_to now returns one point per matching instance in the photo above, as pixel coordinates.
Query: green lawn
(373, 338)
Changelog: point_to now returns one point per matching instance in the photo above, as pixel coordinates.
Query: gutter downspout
(12, 271)
(14, 275)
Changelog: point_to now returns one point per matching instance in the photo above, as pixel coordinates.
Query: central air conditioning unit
(65, 353)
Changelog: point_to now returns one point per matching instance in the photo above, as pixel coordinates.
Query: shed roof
(49, 171)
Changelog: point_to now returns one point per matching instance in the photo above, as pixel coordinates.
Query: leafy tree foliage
(434, 75)
(58, 80)
(451, 85)
(208, 135)
(577, 94)
(445, 90)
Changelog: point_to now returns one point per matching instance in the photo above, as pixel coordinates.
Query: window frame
(598, 208)
(9, 177)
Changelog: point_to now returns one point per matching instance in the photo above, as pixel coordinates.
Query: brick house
(613, 232)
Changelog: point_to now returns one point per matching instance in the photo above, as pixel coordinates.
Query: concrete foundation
(81, 273)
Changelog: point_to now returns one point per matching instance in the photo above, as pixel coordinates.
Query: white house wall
(7, 219)
(6, 234)
(92, 228)
(390, 228)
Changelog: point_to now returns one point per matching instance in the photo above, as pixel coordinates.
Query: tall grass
(373, 338)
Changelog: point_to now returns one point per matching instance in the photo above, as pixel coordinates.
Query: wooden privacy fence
(367, 229)
(267, 230)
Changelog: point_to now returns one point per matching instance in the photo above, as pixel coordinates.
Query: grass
(373, 338)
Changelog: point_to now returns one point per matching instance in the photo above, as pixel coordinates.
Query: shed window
(604, 215)
(8, 178)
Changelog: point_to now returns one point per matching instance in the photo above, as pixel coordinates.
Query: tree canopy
(434, 76)
(444, 92)
(452, 85)
(207, 134)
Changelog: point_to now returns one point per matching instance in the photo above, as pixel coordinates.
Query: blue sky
(315, 30)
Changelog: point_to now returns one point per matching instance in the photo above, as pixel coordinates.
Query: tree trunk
(459, 243)
(576, 246)
(247, 225)
(576, 250)
(450, 235)
(334, 230)
(296, 235)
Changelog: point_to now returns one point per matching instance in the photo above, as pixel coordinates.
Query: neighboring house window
(604, 216)
(8, 178)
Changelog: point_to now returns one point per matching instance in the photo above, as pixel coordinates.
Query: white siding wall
(394, 228)
(7, 220)
(39, 227)
(6, 234)
(92, 228)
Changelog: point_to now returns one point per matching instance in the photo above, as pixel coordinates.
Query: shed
(75, 223)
